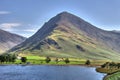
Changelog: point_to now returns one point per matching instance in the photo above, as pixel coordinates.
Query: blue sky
(25, 17)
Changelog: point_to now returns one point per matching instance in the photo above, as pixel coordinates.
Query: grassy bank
(40, 60)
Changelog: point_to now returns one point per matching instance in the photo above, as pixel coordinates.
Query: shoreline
(50, 65)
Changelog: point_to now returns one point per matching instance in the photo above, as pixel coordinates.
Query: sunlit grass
(40, 60)
(115, 76)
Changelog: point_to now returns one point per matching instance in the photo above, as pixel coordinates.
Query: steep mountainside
(67, 35)
(9, 40)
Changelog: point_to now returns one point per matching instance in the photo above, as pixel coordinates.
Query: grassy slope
(71, 39)
(115, 76)
(93, 49)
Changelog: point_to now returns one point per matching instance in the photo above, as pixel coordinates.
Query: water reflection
(38, 72)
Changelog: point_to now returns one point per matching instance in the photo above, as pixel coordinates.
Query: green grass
(40, 60)
(115, 76)
(35, 57)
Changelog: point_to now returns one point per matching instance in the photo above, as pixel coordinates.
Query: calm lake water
(42, 72)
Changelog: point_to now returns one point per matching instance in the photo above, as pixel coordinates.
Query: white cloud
(20, 28)
(31, 30)
(9, 25)
(4, 12)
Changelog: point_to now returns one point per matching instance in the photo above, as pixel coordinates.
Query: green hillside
(70, 42)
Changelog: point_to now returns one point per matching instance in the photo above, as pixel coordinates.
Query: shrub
(87, 62)
(23, 59)
(47, 59)
(67, 61)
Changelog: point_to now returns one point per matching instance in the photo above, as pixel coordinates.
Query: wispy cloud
(31, 30)
(4, 12)
(9, 25)
(20, 28)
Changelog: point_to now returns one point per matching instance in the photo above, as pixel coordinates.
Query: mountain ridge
(9, 40)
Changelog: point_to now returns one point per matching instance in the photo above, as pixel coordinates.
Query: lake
(44, 72)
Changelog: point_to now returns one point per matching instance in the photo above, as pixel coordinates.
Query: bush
(67, 61)
(47, 59)
(23, 59)
(87, 62)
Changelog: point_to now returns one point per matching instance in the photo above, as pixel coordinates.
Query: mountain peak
(68, 17)
(64, 13)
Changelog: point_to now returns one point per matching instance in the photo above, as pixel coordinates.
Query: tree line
(66, 60)
(7, 58)
(4, 58)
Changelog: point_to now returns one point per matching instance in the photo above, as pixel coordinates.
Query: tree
(47, 59)
(7, 58)
(2, 58)
(118, 65)
(112, 65)
(87, 62)
(103, 66)
(56, 60)
(13, 58)
(67, 61)
(23, 59)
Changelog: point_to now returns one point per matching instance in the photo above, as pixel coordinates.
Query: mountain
(117, 31)
(67, 35)
(9, 40)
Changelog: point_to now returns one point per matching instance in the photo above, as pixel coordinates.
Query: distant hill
(67, 35)
(9, 40)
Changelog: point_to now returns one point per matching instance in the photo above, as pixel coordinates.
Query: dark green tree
(103, 66)
(67, 61)
(2, 58)
(88, 62)
(7, 58)
(13, 58)
(47, 60)
(118, 65)
(23, 59)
